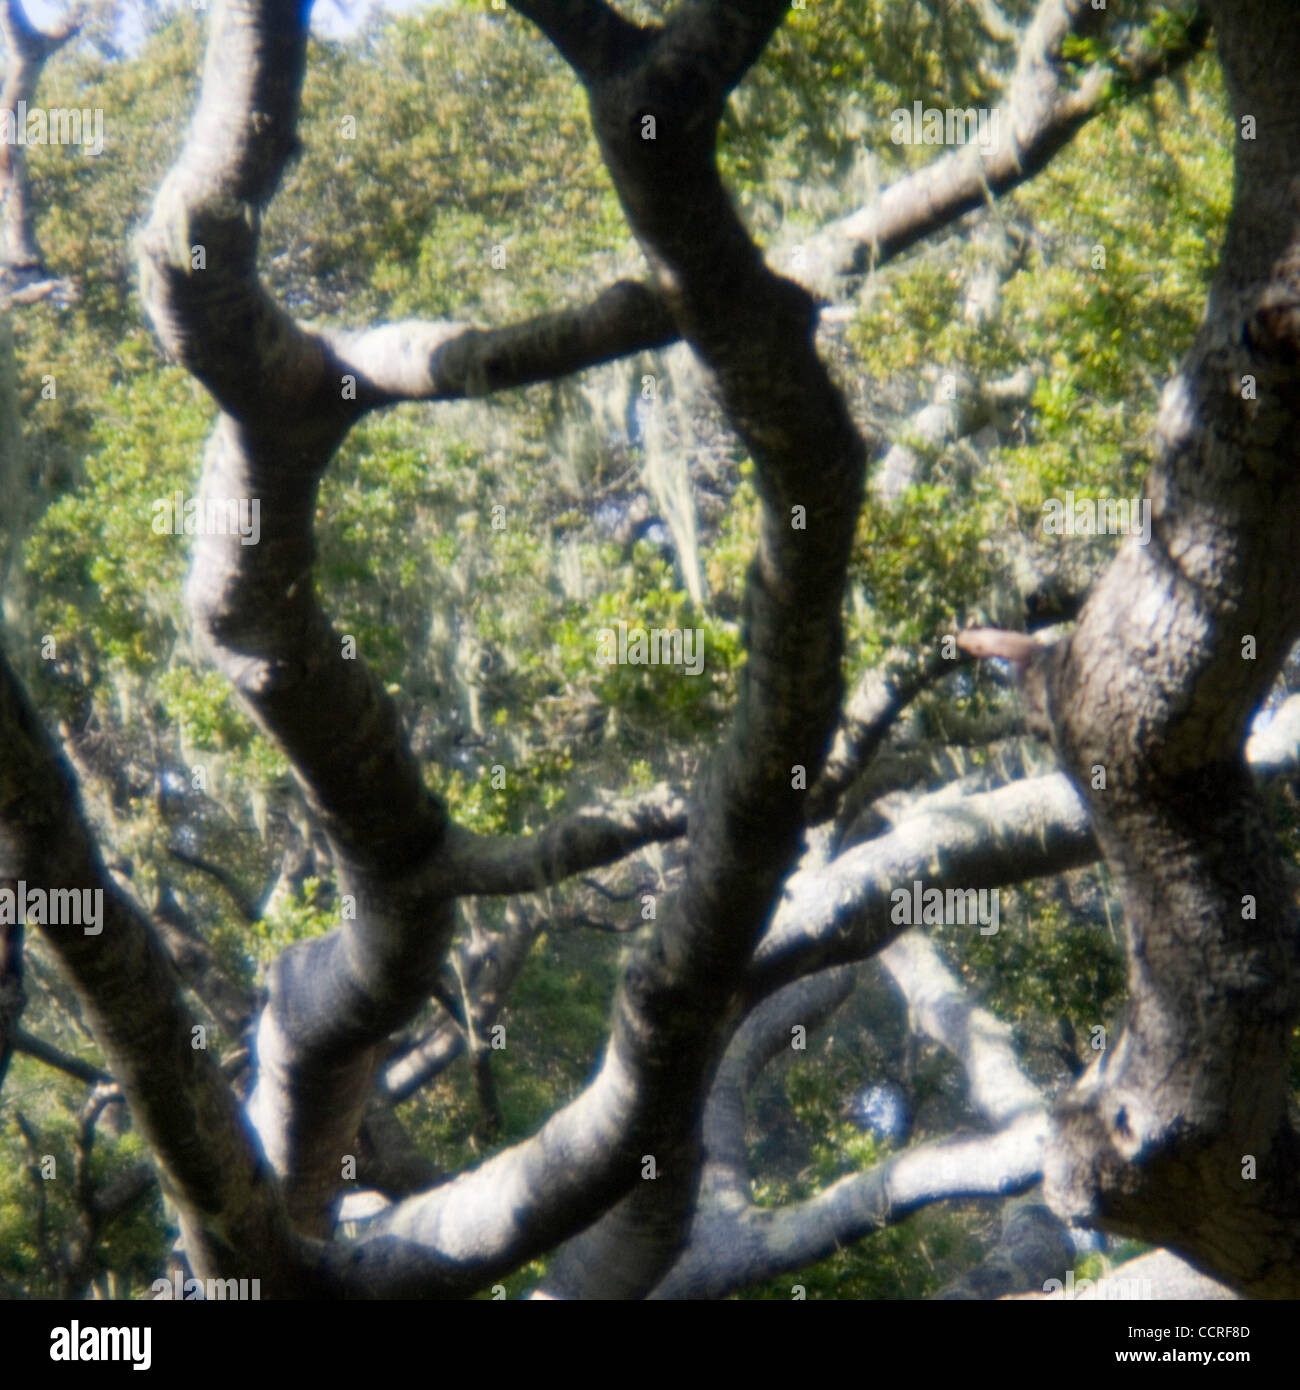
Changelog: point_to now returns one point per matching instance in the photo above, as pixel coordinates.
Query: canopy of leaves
(476, 551)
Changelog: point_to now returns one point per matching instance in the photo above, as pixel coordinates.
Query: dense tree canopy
(448, 945)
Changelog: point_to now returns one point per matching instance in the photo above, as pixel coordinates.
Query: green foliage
(801, 133)
(38, 1213)
(911, 1260)
(295, 917)
(100, 566)
(470, 135)
(556, 1024)
(456, 114)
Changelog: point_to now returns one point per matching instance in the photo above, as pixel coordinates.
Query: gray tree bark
(1154, 685)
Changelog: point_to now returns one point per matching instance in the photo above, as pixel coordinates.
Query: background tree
(350, 870)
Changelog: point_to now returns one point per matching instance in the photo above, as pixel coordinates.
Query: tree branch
(1034, 1247)
(246, 906)
(489, 966)
(731, 1250)
(585, 839)
(32, 1046)
(1044, 117)
(594, 39)
(29, 49)
(1150, 699)
(178, 1097)
(943, 1009)
(840, 912)
(445, 361)
(880, 697)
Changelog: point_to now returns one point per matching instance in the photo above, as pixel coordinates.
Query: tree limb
(1044, 117)
(732, 1250)
(585, 839)
(182, 1105)
(32, 1046)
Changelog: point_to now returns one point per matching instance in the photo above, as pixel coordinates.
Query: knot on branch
(1029, 661)
(270, 677)
(1274, 327)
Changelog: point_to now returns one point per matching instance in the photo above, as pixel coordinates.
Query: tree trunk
(1181, 1136)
